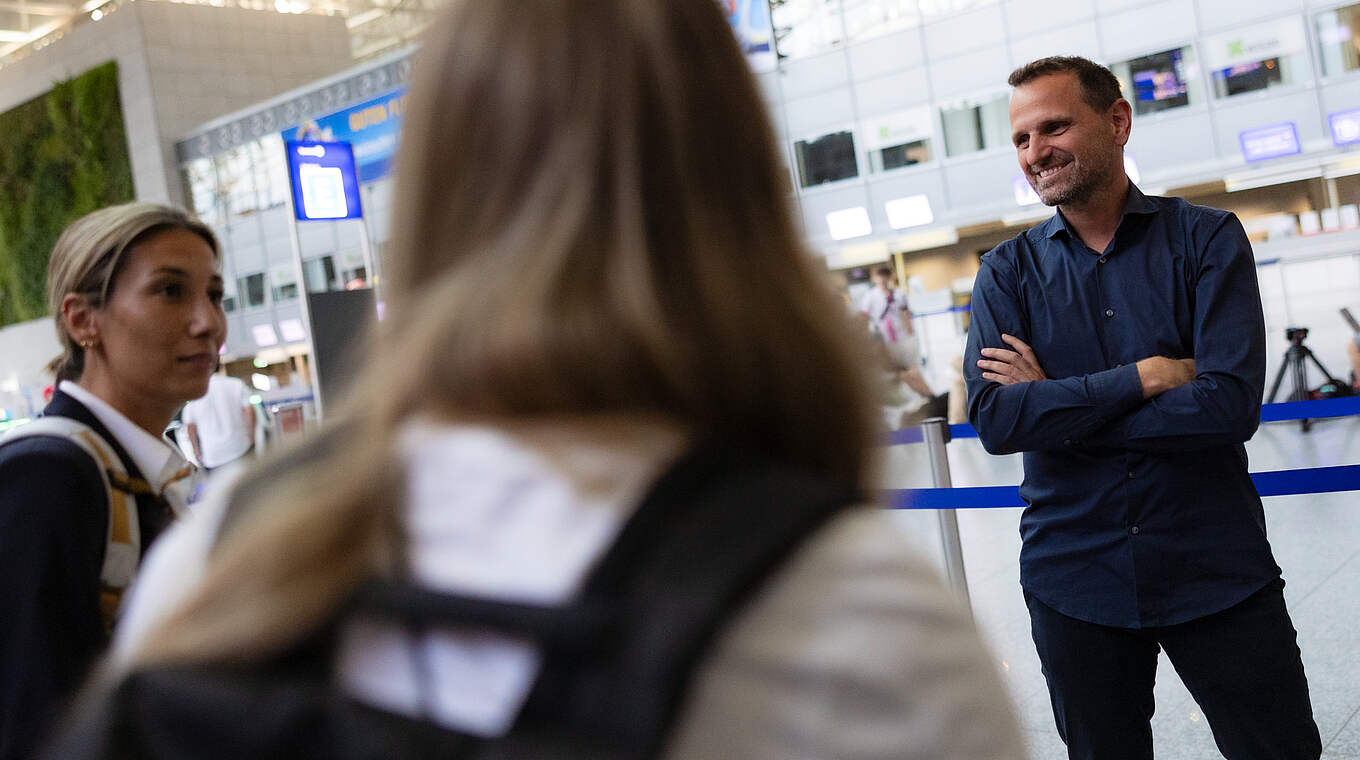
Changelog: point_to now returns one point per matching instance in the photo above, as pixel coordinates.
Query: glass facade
(242, 193)
(807, 27)
(871, 18)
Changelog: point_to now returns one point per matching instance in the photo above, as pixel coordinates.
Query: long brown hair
(591, 218)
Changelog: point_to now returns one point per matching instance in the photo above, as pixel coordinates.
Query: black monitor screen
(1158, 82)
(1246, 77)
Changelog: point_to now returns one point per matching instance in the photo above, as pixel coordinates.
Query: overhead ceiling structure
(376, 26)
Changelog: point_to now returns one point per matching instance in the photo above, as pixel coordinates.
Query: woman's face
(156, 340)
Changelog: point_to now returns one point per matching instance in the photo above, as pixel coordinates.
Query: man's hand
(1010, 367)
(1159, 374)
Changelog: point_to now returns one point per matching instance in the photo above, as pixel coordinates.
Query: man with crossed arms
(1120, 346)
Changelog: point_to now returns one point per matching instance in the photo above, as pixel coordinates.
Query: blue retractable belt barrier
(914, 435)
(1309, 410)
(1273, 483)
(950, 310)
(1310, 480)
(1290, 410)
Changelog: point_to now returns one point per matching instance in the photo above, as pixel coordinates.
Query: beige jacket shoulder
(854, 651)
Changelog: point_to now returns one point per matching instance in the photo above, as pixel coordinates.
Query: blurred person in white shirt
(220, 426)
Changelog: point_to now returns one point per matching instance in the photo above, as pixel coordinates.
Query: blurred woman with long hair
(594, 273)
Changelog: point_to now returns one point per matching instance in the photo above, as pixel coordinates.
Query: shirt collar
(155, 457)
(1135, 203)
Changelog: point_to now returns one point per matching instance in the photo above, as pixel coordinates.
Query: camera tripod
(1295, 358)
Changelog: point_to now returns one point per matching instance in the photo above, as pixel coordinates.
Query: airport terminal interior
(892, 119)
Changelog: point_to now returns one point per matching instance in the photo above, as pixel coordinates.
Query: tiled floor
(1316, 541)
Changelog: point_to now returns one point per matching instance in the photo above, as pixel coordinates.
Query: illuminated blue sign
(371, 127)
(324, 181)
(1345, 126)
(1270, 142)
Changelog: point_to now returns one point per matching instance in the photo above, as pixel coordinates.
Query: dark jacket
(53, 523)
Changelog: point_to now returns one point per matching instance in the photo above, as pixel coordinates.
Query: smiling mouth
(1048, 172)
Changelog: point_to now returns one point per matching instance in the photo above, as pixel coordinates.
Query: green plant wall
(62, 155)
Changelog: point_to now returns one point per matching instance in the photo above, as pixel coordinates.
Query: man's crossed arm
(1157, 374)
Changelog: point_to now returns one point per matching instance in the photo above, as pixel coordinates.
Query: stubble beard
(1084, 179)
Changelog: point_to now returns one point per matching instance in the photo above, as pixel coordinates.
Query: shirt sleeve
(53, 519)
(866, 301)
(901, 301)
(1222, 405)
(854, 651)
(1038, 415)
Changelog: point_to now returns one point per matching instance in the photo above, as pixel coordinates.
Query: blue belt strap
(1290, 410)
(1273, 483)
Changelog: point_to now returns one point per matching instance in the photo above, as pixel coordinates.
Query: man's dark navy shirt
(1140, 512)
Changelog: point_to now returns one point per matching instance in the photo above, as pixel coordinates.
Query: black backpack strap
(618, 660)
(710, 533)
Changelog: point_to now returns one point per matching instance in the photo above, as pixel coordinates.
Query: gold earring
(86, 344)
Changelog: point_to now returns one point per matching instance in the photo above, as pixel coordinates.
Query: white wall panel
(247, 258)
(967, 75)
(1217, 15)
(1342, 95)
(1160, 145)
(1150, 26)
(982, 182)
(816, 74)
(822, 202)
(769, 88)
(1029, 17)
(244, 232)
(883, 55)
(1078, 39)
(808, 116)
(982, 29)
(892, 93)
(1300, 107)
(1114, 6)
(314, 238)
(884, 188)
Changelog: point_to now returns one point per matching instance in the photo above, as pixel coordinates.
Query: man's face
(1066, 149)
(883, 281)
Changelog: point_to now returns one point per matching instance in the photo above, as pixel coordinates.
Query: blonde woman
(583, 346)
(136, 297)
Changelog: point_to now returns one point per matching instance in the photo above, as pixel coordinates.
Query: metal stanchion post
(936, 430)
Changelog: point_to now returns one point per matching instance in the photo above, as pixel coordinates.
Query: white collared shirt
(157, 458)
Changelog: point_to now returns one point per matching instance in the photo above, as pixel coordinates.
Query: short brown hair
(1099, 87)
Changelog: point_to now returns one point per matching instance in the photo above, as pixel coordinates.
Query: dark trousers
(1241, 665)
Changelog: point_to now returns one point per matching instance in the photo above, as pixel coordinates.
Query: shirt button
(1102, 259)
(1134, 530)
(1130, 474)
(1109, 312)
(1067, 442)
